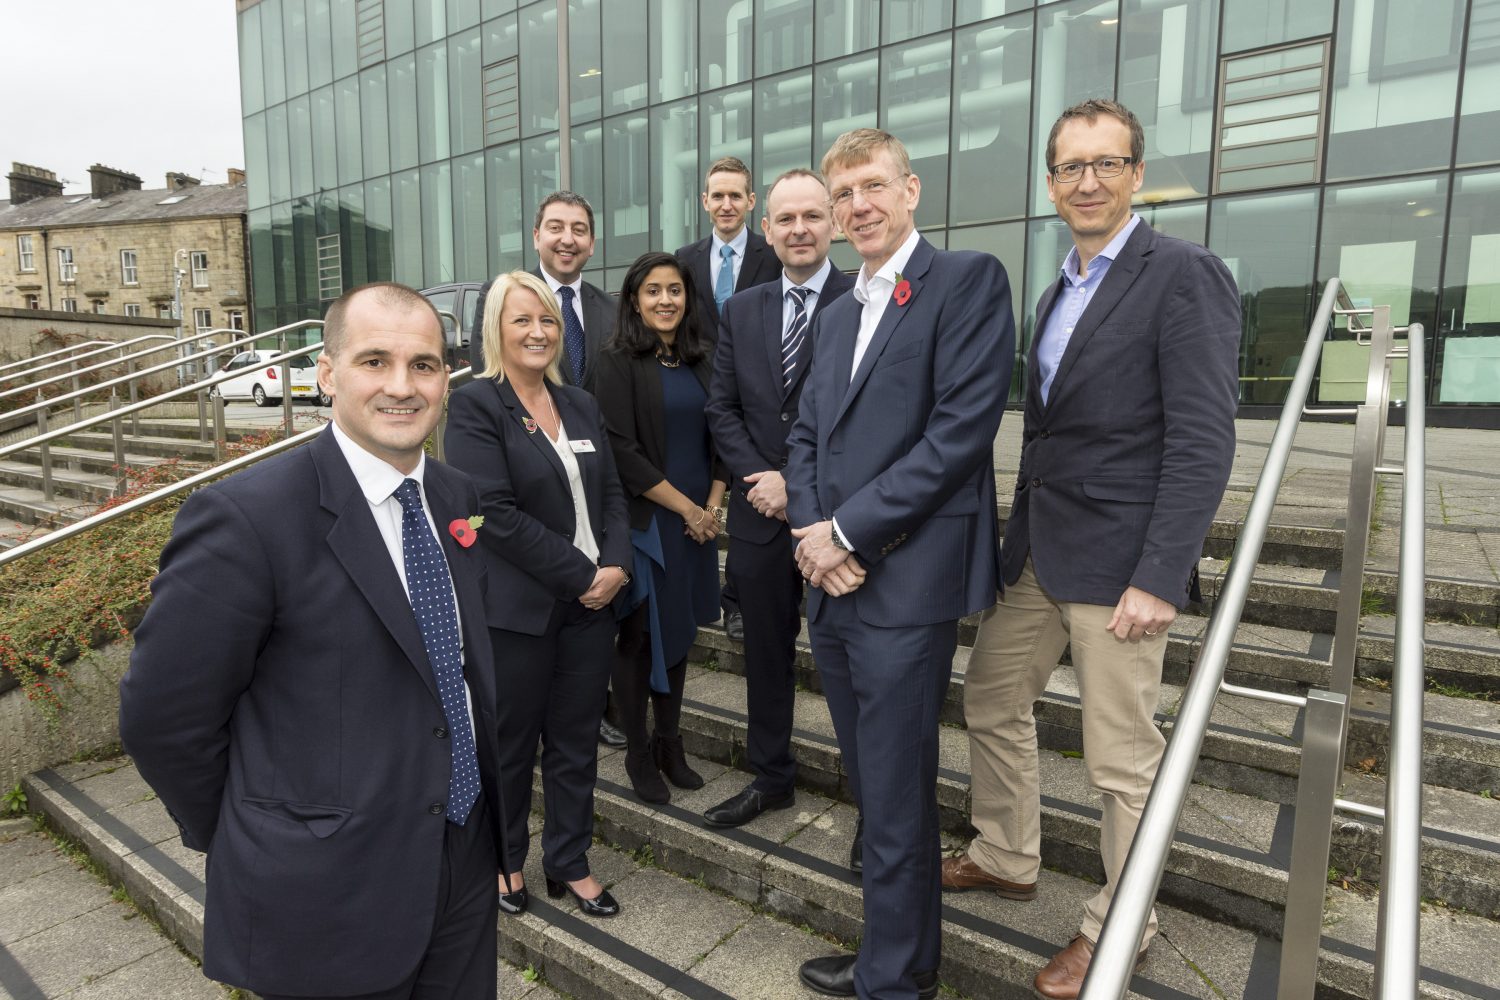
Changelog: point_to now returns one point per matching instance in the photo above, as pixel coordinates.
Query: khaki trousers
(1019, 643)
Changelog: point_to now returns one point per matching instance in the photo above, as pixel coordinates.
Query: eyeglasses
(844, 197)
(1104, 167)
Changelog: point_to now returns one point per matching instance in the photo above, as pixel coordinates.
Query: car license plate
(302, 390)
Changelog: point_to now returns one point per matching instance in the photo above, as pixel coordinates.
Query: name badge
(582, 447)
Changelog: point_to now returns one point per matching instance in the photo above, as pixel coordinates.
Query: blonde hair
(494, 303)
(860, 146)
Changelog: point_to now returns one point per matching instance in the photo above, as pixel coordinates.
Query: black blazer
(527, 506)
(281, 703)
(1123, 468)
(629, 394)
(751, 408)
(759, 266)
(598, 327)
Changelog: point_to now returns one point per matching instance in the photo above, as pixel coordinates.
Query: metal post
(1397, 941)
(41, 430)
(564, 102)
(219, 432)
(202, 398)
(135, 418)
(1317, 783)
(117, 430)
(286, 391)
(77, 400)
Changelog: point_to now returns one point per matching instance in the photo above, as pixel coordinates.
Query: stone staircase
(731, 914)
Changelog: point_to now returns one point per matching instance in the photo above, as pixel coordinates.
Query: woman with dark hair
(557, 551)
(652, 385)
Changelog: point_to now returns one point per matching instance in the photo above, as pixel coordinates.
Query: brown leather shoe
(960, 875)
(1063, 976)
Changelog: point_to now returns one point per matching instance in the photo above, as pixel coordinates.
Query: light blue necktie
(431, 594)
(724, 287)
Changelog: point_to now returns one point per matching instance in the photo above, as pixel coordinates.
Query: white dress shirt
(814, 285)
(874, 293)
(583, 528)
(576, 285)
(716, 256)
(378, 480)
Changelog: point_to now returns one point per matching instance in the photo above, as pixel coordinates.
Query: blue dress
(679, 577)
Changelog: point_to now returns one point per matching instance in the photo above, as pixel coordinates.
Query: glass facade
(1298, 139)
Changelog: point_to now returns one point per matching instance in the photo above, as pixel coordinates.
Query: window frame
(130, 274)
(70, 304)
(198, 265)
(67, 266)
(25, 253)
(203, 320)
(133, 310)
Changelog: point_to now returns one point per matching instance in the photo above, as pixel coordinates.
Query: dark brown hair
(1089, 111)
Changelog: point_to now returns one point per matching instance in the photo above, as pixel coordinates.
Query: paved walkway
(63, 934)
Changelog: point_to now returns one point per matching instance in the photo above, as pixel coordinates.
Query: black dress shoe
(602, 905)
(746, 806)
(833, 975)
(645, 779)
(671, 761)
(610, 736)
(734, 625)
(515, 902)
(857, 849)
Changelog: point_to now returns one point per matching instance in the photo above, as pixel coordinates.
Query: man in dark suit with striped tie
(759, 366)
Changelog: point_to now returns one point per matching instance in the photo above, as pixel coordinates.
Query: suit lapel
(755, 251)
(1043, 311)
(769, 322)
(356, 542)
(516, 411)
(915, 270)
(1122, 274)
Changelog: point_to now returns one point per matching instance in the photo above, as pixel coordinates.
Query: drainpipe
(47, 267)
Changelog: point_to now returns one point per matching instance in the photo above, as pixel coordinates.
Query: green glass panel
(1273, 107)
(783, 126)
(503, 207)
(783, 35)
(1183, 221)
(624, 58)
(673, 45)
(470, 249)
(904, 19)
(299, 144)
(969, 11)
(587, 153)
(726, 40)
(492, 8)
(1479, 127)
(1266, 177)
(273, 64)
(345, 37)
(278, 155)
(1254, 24)
(847, 98)
(378, 242)
(501, 40)
(846, 27)
(1467, 368)
(324, 140)
(432, 102)
(1251, 156)
(539, 68)
(319, 43)
(916, 80)
(374, 122)
(1167, 71)
(262, 259)
(462, 14)
(406, 228)
(346, 105)
(675, 182)
(403, 110)
(283, 256)
(252, 72)
(1267, 85)
(257, 166)
(429, 19)
(465, 93)
(991, 112)
(541, 174)
(626, 215)
(1075, 56)
(400, 29)
(294, 45)
(586, 61)
(353, 244)
(726, 126)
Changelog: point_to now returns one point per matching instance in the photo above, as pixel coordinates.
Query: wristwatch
(838, 540)
(624, 572)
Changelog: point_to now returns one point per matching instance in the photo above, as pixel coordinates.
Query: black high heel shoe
(514, 902)
(602, 905)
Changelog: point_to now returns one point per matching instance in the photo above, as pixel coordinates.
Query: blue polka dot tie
(431, 594)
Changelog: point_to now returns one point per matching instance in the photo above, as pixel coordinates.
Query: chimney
(177, 181)
(236, 176)
(28, 182)
(105, 181)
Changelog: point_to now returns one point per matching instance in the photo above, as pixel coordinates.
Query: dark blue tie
(796, 333)
(431, 594)
(572, 334)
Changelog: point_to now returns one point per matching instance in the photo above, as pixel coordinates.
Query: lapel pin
(529, 424)
(903, 290)
(465, 529)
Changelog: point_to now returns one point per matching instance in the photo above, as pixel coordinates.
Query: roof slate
(125, 206)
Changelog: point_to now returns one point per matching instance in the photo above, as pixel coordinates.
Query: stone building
(114, 250)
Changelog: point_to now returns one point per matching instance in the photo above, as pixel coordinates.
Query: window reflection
(507, 229)
(470, 252)
(783, 136)
(1008, 244)
(1479, 127)
(915, 84)
(539, 75)
(726, 126)
(847, 96)
(992, 102)
(465, 93)
(846, 27)
(624, 58)
(674, 48)
(585, 90)
(1467, 368)
(1167, 79)
(1075, 59)
(905, 19)
(437, 209)
(1253, 24)
(783, 35)
(726, 41)
(626, 213)
(675, 182)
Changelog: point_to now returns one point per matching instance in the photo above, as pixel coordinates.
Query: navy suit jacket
(902, 454)
(750, 406)
(526, 502)
(759, 266)
(598, 326)
(1123, 467)
(281, 703)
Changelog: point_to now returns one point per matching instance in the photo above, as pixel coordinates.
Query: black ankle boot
(644, 777)
(673, 762)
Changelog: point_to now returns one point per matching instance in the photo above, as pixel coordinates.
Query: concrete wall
(19, 329)
(89, 723)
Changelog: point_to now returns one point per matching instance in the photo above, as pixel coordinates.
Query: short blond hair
(860, 146)
(494, 304)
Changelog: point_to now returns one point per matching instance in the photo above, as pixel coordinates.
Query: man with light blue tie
(729, 259)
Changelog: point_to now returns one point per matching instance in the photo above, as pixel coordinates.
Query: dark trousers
(461, 954)
(885, 687)
(553, 687)
(770, 591)
(631, 683)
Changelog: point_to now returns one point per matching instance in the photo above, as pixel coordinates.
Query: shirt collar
(889, 270)
(576, 284)
(815, 283)
(738, 242)
(1110, 252)
(377, 478)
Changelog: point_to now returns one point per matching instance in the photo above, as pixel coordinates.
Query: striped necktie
(795, 334)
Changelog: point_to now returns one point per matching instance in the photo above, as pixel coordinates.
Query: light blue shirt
(716, 251)
(1072, 300)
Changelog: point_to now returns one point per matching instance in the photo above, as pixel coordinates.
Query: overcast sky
(146, 86)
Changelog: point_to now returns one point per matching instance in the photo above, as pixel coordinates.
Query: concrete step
(1252, 747)
(13, 533)
(29, 507)
(87, 460)
(145, 444)
(793, 864)
(92, 487)
(731, 914)
(1231, 854)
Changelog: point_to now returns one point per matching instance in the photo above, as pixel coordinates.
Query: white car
(261, 382)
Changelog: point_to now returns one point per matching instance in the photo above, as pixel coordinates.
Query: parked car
(260, 381)
(459, 300)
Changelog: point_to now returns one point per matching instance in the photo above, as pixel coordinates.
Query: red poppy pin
(529, 424)
(903, 290)
(465, 530)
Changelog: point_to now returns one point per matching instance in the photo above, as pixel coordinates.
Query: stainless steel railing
(74, 371)
(1326, 718)
(42, 357)
(191, 482)
(172, 343)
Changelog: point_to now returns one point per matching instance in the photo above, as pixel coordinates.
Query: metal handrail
(125, 380)
(184, 485)
(1326, 714)
(1397, 943)
(50, 354)
(127, 359)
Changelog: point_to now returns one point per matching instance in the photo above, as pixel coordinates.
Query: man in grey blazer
(1129, 436)
(564, 241)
